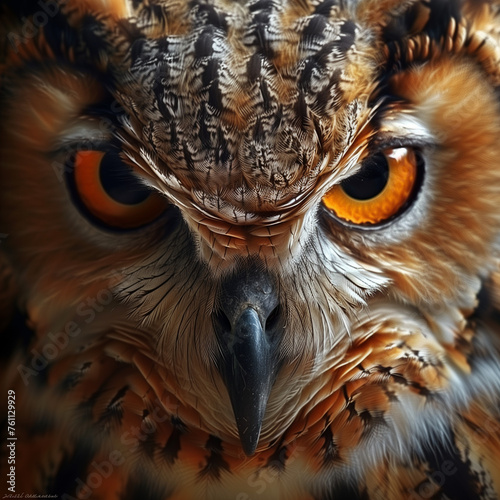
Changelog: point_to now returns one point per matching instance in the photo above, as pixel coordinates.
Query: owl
(250, 249)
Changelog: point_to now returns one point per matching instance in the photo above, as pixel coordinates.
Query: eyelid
(382, 143)
(80, 136)
(403, 129)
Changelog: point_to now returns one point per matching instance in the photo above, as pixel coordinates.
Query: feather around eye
(383, 187)
(108, 190)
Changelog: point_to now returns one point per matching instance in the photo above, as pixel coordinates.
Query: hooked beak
(246, 328)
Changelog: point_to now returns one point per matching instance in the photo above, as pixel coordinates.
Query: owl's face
(248, 195)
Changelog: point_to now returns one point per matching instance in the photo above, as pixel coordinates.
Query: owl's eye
(383, 187)
(109, 191)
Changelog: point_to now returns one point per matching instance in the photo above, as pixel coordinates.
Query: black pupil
(370, 180)
(119, 182)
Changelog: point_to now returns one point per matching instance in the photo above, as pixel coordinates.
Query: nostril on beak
(272, 320)
(221, 321)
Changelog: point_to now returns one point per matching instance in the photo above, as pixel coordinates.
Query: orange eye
(379, 190)
(110, 192)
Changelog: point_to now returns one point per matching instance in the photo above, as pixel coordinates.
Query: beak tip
(249, 438)
(249, 416)
(249, 449)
